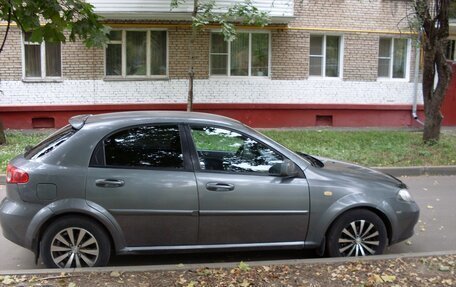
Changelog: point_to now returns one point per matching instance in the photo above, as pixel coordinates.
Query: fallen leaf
(244, 266)
(245, 283)
(376, 278)
(388, 278)
(114, 274)
(7, 280)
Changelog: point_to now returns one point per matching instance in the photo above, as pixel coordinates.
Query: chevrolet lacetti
(137, 182)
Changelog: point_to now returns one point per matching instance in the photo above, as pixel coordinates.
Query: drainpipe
(415, 83)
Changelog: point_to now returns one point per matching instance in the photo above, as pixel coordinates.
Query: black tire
(349, 236)
(94, 245)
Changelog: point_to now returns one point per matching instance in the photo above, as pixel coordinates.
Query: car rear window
(145, 147)
(50, 143)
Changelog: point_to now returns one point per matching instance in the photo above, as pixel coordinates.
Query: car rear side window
(145, 147)
(50, 143)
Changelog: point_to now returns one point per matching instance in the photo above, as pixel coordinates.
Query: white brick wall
(315, 91)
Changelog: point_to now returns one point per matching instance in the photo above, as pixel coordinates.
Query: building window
(42, 60)
(392, 58)
(136, 54)
(325, 55)
(248, 55)
(451, 50)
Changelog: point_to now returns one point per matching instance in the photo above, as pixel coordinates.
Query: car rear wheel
(357, 233)
(73, 242)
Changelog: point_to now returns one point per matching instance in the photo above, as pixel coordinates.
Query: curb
(149, 268)
(395, 171)
(418, 170)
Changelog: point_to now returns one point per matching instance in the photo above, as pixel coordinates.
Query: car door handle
(109, 182)
(219, 186)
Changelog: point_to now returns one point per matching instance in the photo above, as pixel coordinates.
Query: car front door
(141, 176)
(242, 197)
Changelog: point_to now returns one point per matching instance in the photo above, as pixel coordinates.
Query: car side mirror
(289, 169)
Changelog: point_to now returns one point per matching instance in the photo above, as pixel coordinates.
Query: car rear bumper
(15, 218)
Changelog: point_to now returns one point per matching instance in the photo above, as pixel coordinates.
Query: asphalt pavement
(435, 232)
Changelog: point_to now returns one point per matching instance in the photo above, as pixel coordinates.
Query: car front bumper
(407, 218)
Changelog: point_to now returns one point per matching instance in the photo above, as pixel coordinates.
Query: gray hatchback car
(137, 182)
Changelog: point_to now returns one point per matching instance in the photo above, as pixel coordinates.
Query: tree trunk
(2, 134)
(434, 62)
(191, 75)
(191, 72)
(435, 31)
(431, 133)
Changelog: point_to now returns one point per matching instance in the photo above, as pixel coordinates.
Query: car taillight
(16, 175)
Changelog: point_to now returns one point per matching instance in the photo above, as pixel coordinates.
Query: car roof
(159, 116)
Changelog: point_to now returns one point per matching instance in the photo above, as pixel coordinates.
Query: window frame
(123, 43)
(43, 76)
(391, 57)
(99, 150)
(228, 67)
(195, 158)
(323, 56)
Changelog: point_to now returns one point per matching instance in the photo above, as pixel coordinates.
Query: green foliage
(15, 145)
(49, 20)
(2, 135)
(452, 10)
(244, 13)
(371, 148)
(244, 266)
(218, 142)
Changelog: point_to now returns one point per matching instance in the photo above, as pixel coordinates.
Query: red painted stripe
(256, 115)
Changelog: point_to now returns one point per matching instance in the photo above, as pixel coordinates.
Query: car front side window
(145, 147)
(224, 150)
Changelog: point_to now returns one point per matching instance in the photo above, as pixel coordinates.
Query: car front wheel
(74, 242)
(357, 233)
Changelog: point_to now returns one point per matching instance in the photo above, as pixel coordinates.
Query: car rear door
(141, 175)
(242, 198)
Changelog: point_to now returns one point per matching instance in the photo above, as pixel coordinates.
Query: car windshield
(50, 143)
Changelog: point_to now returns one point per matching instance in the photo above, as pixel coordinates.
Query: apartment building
(318, 63)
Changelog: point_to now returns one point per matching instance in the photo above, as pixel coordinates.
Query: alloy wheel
(74, 247)
(359, 238)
